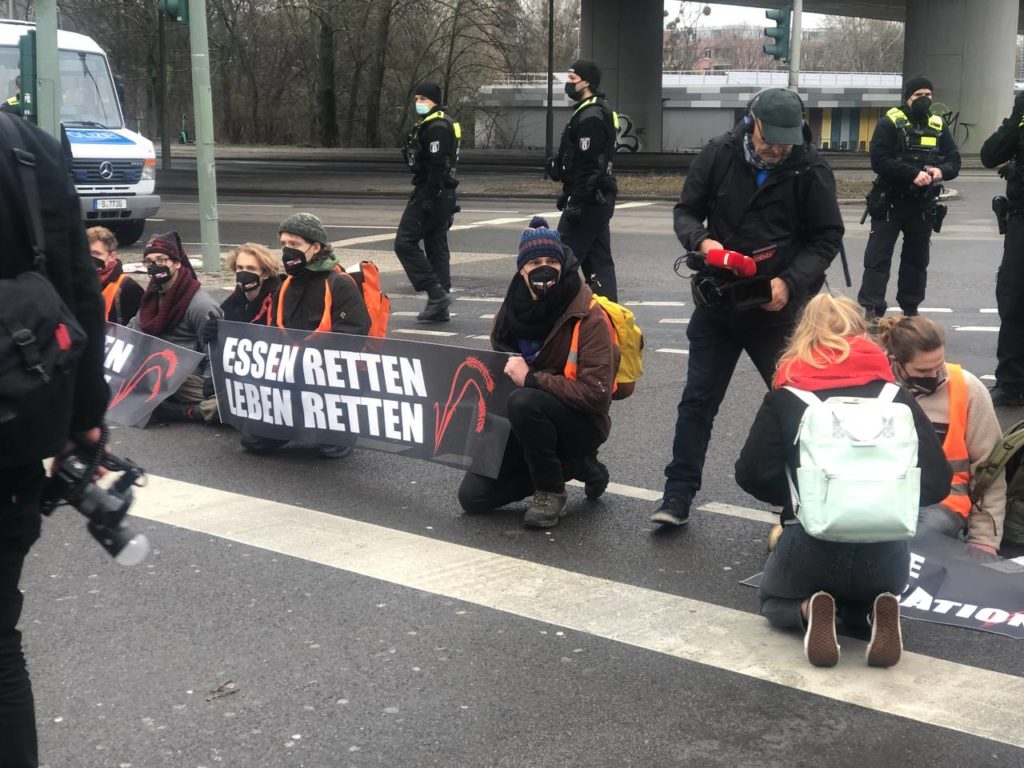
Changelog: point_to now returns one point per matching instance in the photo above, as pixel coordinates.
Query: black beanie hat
(429, 90)
(916, 84)
(587, 70)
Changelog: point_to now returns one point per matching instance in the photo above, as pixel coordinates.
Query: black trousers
(715, 348)
(426, 219)
(20, 489)
(1010, 301)
(916, 226)
(588, 233)
(546, 435)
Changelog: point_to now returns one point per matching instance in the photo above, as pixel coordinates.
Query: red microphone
(737, 263)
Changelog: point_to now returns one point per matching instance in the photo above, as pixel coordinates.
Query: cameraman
(761, 190)
(70, 268)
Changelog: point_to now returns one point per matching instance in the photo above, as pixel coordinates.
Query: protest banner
(427, 401)
(953, 583)
(142, 371)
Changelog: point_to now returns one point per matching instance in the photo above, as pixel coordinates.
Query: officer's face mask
(247, 281)
(920, 106)
(542, 280)
(571, 92)
(294, 260)
(421, 108)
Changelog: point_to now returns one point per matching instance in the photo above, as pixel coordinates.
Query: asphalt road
(362, 620)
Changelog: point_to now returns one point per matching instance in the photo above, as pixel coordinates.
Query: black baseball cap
(781, 114)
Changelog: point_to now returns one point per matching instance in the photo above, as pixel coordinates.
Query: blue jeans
(715, 346)
(854, 574)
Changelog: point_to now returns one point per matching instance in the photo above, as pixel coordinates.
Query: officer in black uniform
(584, 166)
(913, 152)
(432, 153)
(1006, 145)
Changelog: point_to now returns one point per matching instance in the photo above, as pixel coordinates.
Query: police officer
(12, 106)
(70, 269)
(1007, 144)
(913, 152)
(761, 190)
(432, 153)
(584, 166)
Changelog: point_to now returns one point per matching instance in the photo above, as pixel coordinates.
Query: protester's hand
(516, 369)
(708, 244)
(983, 547)
(561, 202)
(922, 179)
(780, 295)
(210, 329)
(935, 173)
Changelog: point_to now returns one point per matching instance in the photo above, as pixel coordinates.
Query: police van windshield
(87, 98)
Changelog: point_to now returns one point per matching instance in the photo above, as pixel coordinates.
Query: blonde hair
(904, 337)
(102, 235)
(268, 264)
(821, 337)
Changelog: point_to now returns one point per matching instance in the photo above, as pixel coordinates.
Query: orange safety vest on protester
(110, 294)
(325, 321)
(955, 444)
(574, 347)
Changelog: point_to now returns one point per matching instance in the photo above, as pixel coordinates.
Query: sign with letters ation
(142, 371)
(426, 401)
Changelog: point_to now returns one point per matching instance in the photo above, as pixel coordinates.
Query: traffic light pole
(47, 88)
(202, 101)
(794, 44)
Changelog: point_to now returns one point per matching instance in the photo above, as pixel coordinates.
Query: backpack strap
(808, 397)
(25, 162)
(888, 393)
(1002, 453)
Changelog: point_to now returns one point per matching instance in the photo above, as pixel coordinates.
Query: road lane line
(985, 328)
(655, 304)
(989, 311)
(946, 694)
(423, 332)
(673, 351)
(674, 320)
(898, 311)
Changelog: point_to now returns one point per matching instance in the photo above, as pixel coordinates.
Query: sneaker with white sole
(821, 646)
(886, 645)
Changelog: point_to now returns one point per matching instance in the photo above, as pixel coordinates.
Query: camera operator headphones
(748, 117)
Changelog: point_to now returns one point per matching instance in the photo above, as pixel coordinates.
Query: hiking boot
(673, 510)
(909, 311)
(886, 644)
(595, 477)
(1006, 397)
(335, 451)
(546, 509)
(166, 412)
(821, 646)
(436, 310)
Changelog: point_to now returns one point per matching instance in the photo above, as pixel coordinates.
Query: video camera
(105, 508)
(725, 280)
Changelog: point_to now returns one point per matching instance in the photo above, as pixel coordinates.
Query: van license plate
(110, 204)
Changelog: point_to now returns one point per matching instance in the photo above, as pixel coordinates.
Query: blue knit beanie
(538, 239)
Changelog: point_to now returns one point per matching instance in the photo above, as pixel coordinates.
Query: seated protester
(256, 284)
(806, 577)
(121, 294)
(316, 295)
(174, 308)
(559, 415)
(961, 411)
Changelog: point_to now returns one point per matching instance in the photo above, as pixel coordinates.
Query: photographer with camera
(52, 386)
(1006, 145)
(761, 191)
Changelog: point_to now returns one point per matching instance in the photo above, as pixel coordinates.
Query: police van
(114, 169)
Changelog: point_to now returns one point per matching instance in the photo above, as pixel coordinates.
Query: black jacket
(586, 150)
(128, 297)
(1006, 144)
(771, 446)
(239, 309)
(432, 152)
(68, 263)
(791, 225)
(304, 303)
(897, 171)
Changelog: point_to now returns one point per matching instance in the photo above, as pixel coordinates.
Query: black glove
(572, 213)
(551, 169)
(561, 202)
(208, 389)
(208, 335)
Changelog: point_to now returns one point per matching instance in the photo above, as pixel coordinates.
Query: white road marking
(986, 328)
(357, 226)
(989, 311)
(485, 210)
(988, 377)
(488, 316)
(933, 310)
(757, 515)
(413, 313)
(485, 336)
(486, 299)
(673, 351)
(933, 691)
(422, 332)
(674, 320)
(655, 304)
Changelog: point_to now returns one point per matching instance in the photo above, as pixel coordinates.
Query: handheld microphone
(737, 263)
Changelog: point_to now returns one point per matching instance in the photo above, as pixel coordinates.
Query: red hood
(865, 363)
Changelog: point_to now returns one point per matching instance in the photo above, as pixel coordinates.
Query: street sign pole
(794, 44)
(202, 100)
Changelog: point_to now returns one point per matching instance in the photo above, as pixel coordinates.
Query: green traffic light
(780, 34)
(176, 9)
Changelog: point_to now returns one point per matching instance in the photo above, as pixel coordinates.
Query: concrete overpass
(967, 48)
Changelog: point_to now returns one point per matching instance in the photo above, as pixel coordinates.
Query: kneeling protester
(565, 362)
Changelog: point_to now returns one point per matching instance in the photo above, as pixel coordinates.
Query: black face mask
(542, 280)
(159, 273)
(920, 106)
(247, 281)
(920, 386)
(572, 93)
(294, 260)
(100, 263)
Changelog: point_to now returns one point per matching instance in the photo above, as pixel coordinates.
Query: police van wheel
(128, 232)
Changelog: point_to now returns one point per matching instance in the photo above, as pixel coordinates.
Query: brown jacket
(598, 360)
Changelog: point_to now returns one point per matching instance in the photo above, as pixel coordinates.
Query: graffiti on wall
(629, 137)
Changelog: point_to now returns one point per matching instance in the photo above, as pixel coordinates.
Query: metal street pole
(549, 141)
(796, 35)
(165, 123)
(202, 101)
(47, 69)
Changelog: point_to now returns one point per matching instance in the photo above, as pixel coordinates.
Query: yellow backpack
(630, 340)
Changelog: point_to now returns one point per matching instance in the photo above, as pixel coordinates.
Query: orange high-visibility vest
(325, 320)
(110, 294)
(955, 444)
(572, 360)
